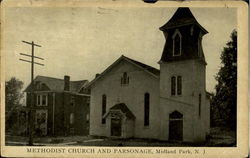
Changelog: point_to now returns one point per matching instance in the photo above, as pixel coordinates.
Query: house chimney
(66, 83)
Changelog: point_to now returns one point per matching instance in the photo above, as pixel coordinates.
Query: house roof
(55, 84)
(183, 16)
(149, 69)
(124, 109)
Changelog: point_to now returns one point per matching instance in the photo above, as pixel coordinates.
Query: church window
(179, 86)
(146, 108)
(124, 79)
(176, 85)
(173, 83)
(199, 105)
(104, 103)
(177, 43)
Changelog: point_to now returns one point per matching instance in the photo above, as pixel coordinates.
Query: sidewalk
(49, 141)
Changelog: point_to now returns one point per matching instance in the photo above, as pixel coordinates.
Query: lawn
(219, 137)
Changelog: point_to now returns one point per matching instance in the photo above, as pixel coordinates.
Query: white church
(133, 100)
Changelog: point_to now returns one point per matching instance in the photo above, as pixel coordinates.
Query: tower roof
(183, 16)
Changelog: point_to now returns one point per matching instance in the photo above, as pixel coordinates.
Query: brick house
(61, 106)
(170, 103)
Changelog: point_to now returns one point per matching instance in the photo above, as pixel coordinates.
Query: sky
(83, 41)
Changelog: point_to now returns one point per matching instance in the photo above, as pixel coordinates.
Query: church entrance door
(116, 127)
(176, 126)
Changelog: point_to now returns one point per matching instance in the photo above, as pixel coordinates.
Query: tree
(13, 96)
(225, 99)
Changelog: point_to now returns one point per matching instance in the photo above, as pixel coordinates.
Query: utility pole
(32, 106)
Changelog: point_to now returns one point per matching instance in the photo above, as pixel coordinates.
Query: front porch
(119, 122)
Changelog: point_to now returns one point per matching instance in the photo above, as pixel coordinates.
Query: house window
(72, 100)
(71, 118)
(104, 102)
(146, 108)
(124, 79)
(176, 43)
(43, 86)
(199, 105)
(87, 101)
(38, 100)
(38, 85)
(42, 100)
(176, 85)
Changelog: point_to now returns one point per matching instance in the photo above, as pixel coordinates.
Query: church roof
(146, 67)
(56, 84)
(124, 109)
(149, 69)
(183, 16)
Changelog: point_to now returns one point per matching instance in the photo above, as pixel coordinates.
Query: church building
(133, 100)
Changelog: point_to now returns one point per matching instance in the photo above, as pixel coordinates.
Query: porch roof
(124, 109)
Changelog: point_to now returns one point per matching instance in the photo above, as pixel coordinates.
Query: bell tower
(183, 73)
(183, 36)
(182, 62)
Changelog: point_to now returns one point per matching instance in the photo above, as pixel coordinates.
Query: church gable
(123, 69)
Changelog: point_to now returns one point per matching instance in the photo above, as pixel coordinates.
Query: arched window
(176, 43)
(175, 115)
(146, 108)
(173, 85)
(125, 76)
(179, 85)
(199, 105)
(124, 79)
(71, 118)
(104, 103)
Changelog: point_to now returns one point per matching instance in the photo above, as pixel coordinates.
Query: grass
(219, 137)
